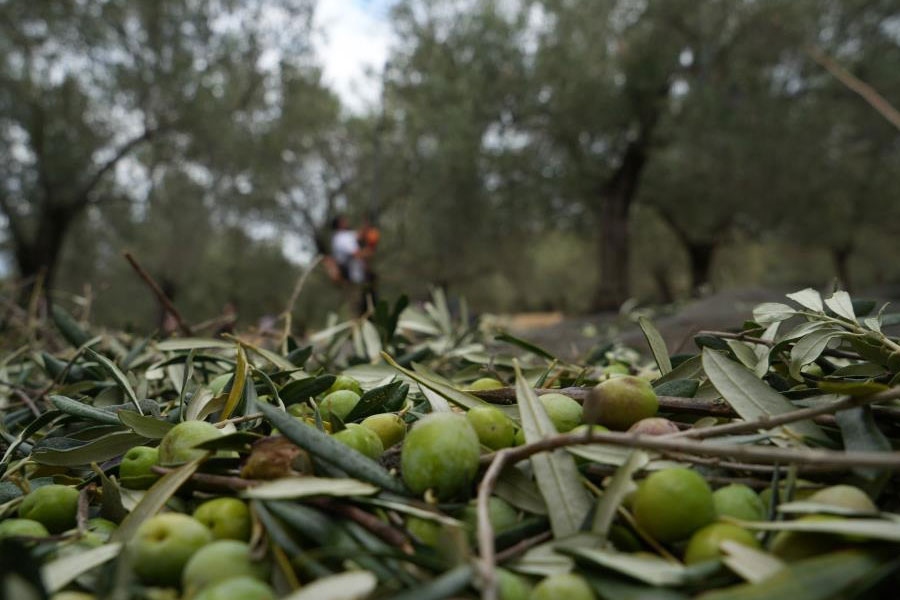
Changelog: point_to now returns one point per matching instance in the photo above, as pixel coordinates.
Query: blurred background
(552, 155)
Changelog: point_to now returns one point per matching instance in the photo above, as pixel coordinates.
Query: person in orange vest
(350, 258)
(368, 237)
(346, 261)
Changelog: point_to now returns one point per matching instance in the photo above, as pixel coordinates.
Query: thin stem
(667, 404)
(769, 422)
(488, 562)
(295, 293)
(159, 293)
(385, 531)
(752, 454)
(523, 546)
(755, 340)
(863, 89)
(250, 417)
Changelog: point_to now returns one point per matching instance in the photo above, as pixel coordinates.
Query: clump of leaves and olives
(392, 462)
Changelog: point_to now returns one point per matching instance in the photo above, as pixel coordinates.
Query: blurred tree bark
(37, 245)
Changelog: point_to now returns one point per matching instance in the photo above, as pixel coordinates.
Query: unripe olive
(440, 453)
(362, 439)
(565, 413)
(495, 430)
(388, 426)
(177, 446)
(54, 506)
(620, 402)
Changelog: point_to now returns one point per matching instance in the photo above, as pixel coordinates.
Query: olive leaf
(117, 375)
(377, 399)
(749, 563)
(657, 345)
(155, 498)
(750, 397)
(819, 578)
(352, 585)
(299, 487)
(61, 572)
(98, 450)
(148, 427)
(616, 491)
(555, 471)
(808, 298)
(82, 410)
(330, 450)
(770, 312)
(236, 393)
(841, 305)
(874, 529)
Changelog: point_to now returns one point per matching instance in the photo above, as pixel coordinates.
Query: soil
(572, 337)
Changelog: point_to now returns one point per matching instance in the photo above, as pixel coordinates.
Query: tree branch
(767, 455)
(668, 404)
(864, 90)
(755, 340)
(770, 422)
(82, 197)
(160, 295)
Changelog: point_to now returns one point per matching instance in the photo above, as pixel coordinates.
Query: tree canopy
(529, 154)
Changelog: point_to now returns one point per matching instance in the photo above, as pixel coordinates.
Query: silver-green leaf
(841, 305)
(657, 345)
(808, 298)
(555, 471)
(750, 397)
(301, 487)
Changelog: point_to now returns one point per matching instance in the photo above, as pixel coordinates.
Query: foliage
(72, 424)
(529, 155)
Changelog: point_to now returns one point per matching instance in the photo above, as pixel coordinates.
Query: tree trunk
(612, 289)
(663, 285)
(700, 255)
(614, 210)
(39, 256)
(841, 258)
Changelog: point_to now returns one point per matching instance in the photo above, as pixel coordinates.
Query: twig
(771, 421)
(250, 417)
(752, 454)
(215, 322)
(160, 295)
(226, 482)
(864, 90)
(644, 535)
(603, 471)
(301, 281)
(499, 460)
(28, 401)
(667, 404)
(295, 293)
(755, 340)
(523, 546)
(61, 376)
(673, 404)
(385, 531)
(749, 467)
(486, 550)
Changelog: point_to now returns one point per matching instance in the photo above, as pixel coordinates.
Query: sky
(353, 37)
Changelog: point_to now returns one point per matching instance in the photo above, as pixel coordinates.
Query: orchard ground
(571, 336)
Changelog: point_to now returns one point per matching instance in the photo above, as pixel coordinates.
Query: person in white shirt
(345, 251)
